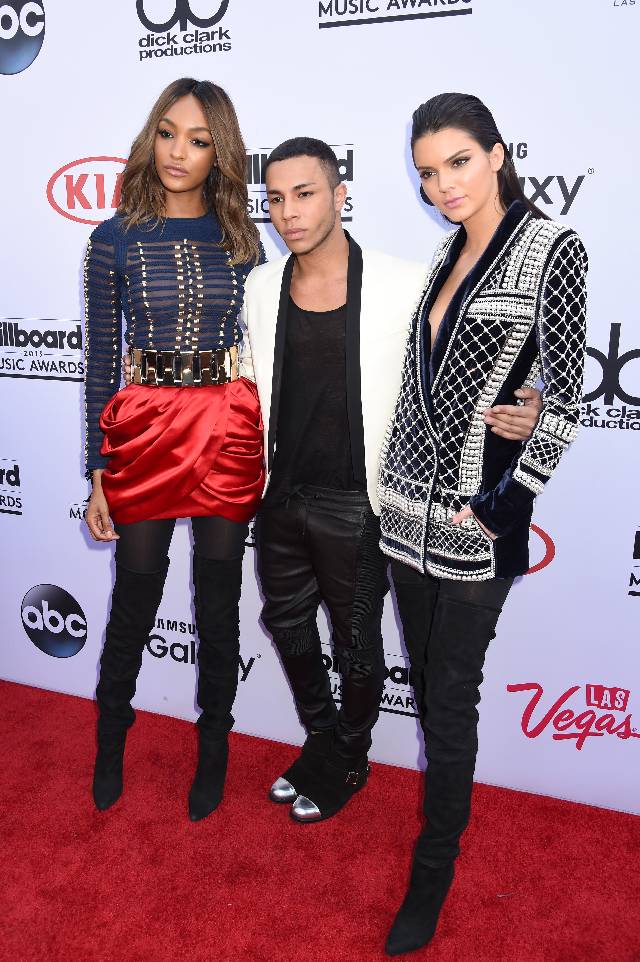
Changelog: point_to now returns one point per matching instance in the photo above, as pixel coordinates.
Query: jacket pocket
(465, 541)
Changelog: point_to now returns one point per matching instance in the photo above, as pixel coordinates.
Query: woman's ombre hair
(225, 190)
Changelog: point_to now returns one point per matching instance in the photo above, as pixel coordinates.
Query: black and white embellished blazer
(518, 316)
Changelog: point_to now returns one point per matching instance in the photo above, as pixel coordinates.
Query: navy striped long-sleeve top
(177, 289)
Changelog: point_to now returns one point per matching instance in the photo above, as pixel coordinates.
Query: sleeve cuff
(502, 508)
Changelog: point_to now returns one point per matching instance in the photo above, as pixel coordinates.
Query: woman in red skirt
(185, 438)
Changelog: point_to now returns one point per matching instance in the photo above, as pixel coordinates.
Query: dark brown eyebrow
(453, 157)
(310, 183)
(191, 129)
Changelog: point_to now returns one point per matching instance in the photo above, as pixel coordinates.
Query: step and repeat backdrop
(561, 697)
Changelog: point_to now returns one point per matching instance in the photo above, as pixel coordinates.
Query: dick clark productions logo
(205, 37)
(54, 621)
(21, 34)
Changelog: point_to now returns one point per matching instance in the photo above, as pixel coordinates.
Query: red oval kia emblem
(87, 190)
(549, 550)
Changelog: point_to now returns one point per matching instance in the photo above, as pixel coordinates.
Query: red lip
(453, 201)
(175, 171)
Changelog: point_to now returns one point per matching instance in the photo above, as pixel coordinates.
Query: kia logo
(549, 550)
(54, 621)
(182, 14)
(87, 190)
(21, 34)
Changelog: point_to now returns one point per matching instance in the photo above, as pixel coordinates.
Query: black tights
(143, 546)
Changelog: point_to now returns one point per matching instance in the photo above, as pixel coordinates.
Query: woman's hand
(126, 369)
(515, 422)
(97, 514)
(468, 513)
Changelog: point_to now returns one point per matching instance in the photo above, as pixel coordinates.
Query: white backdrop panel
(560, 81)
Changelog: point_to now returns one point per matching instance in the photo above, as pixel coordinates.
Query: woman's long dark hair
(468, 113)
(225, 190)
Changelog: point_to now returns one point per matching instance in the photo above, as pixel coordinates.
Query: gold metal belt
(183, 368)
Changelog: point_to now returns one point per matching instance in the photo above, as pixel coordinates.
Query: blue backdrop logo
(21, 34)
(54, 621)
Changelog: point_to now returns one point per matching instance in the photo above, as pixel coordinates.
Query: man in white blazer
(327, 327)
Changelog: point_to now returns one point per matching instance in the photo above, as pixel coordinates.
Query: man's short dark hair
(308, 147)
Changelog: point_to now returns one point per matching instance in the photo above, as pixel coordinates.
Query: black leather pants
(322, 546)
(447, 626)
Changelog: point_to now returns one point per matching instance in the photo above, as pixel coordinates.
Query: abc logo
(21, 34)
(54, 621)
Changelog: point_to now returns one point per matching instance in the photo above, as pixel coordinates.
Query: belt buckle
(186, 358)
(221, 355)
(206, 357)
(165, 368)
(148, 368)
(135, 358)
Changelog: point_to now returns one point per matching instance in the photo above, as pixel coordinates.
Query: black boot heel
(208, 785)
(415, 924)
(107, 774)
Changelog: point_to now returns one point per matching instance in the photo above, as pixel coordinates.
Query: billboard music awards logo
(21, 34)
(45, 350)
(258, 205)
(10, 493)
(192, 28)
(356, 13)
(54, 621)
(87, 190)
(605, 714)
(397, 697)
(609, 405)
(178, 643)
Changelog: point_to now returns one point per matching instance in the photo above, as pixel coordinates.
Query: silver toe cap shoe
(282, 791)
(304, 810)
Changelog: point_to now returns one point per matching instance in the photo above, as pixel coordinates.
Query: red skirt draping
(182, 452)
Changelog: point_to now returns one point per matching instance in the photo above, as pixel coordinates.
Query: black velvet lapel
(448, 326)
(278, 358)
(352, 351)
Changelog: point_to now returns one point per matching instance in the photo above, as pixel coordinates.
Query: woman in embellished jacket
(185, 438)
(503, 305)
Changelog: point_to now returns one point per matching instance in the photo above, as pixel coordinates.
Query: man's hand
(516, 422)
(468, 513)
(126, 369)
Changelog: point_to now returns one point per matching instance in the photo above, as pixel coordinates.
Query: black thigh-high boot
(447, 807)
(134, 604)
(217, 598)
(459, 621)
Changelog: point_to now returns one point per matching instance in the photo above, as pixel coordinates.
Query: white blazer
(389, 293)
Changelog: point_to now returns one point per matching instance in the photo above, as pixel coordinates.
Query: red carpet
(539, 880)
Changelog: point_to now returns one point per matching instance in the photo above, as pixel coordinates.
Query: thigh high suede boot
(134, 604)
(447, 806)
(217, 597)
(301, 656)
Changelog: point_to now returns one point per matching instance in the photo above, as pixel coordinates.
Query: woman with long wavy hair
(184, 440)
(503, 304)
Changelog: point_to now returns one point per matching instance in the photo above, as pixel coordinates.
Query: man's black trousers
(322, 545)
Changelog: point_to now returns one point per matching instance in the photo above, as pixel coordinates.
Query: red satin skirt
(183, 452)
